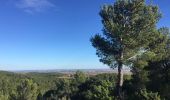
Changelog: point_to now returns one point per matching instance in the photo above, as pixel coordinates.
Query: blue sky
(53, 34)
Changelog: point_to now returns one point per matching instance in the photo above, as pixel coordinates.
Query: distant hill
(70, 71)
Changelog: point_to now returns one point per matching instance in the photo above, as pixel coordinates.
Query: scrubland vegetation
(148, 84)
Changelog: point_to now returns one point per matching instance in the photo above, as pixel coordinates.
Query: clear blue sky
(53, 34)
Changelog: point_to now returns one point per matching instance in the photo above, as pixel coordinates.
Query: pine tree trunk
(120, 81)
(120, 77)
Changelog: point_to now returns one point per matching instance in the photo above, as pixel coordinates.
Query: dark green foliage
(12, 84)
(159, 75)
(152, 72)
(45, 81)
(26, 90)
(145, 95)
(100, 87)
(66, 88)
(79, 77)
(51, 95)
(129, 27)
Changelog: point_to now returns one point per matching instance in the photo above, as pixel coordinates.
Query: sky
(53, 34)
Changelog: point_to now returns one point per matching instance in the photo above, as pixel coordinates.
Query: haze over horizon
(53, 34)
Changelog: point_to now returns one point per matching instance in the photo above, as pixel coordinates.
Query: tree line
(151, 83)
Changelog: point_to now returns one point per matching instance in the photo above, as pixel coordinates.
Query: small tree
(129, 31)
(79, 77)
(26, 90)
(100, 87)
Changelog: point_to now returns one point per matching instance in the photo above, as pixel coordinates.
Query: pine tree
(26, 90)
(129, 31)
